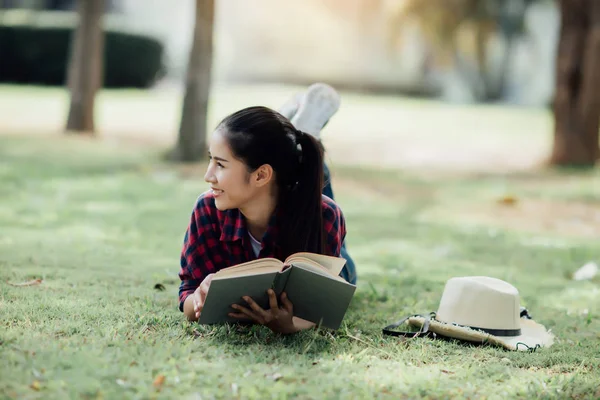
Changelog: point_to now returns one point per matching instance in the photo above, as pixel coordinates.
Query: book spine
(280, 281)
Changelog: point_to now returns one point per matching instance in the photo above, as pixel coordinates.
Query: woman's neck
(258, 214)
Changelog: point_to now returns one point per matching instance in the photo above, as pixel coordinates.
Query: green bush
(34, 49)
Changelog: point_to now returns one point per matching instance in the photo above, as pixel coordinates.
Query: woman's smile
(216, 192)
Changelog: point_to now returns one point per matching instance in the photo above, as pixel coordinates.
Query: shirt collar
(234, 227)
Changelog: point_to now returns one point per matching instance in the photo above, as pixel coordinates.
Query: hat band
(493, 332)
(523, 313)
(496, 332)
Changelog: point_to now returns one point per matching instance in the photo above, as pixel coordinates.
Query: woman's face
(228, 177)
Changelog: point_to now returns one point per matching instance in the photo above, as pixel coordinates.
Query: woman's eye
(220, 165)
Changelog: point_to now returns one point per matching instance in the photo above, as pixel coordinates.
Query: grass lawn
(102, 225)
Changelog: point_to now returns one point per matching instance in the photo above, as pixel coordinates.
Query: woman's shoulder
(330, 207)
(333, 223)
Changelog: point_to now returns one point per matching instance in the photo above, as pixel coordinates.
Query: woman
(266, 179)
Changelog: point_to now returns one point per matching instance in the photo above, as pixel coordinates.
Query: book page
(261, 265)
(245, 272)
(332, 264)
(310, 265)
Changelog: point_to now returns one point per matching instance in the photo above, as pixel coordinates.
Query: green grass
(102, 225)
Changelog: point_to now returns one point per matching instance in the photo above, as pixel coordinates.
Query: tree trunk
(85, 65)
(191, 143)
(577, 97)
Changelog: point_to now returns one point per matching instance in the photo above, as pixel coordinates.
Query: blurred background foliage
(535, 53)
(34, 47)
(460, 50)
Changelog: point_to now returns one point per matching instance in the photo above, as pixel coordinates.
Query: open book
(310, 281)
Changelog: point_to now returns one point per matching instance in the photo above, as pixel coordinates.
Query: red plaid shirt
(219, 239)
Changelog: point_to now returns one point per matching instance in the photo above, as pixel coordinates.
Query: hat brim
(533, 335)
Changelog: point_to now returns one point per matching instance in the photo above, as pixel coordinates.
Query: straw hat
(482, 310)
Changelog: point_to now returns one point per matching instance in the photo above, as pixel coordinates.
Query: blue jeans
(349, 270)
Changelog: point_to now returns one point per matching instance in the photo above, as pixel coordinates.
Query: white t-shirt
(256, 245)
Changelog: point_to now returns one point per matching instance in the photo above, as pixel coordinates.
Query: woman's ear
(262, 175)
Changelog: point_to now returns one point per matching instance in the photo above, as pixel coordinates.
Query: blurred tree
(577, 94)
(85, 66)
(191, 143)
(459, 33)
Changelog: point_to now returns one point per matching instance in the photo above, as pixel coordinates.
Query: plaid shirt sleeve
(334, 226)
(200, 255)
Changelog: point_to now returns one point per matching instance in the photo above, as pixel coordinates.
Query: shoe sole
(319, 104)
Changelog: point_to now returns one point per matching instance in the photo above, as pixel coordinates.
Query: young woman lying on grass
(267, 199)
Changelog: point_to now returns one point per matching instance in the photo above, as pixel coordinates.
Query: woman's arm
(197, 255)
(194, 303)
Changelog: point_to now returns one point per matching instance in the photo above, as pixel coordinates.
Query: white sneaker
(290, 107)
(319, 104)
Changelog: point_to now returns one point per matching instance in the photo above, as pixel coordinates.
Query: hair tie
(300, 136)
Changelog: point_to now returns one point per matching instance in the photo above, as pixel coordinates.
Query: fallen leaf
(587, 272)
(160, 287)
(447, 372)
(33, 282)
(275, 377)
(131, 364)
(35, 385)
(159, 381)
(508, 200)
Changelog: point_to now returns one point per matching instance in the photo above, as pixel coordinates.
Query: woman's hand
(278, 318)
(199, 295)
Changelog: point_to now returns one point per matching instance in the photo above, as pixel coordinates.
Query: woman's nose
(209, 176)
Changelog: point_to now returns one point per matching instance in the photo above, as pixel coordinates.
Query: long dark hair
(258, 136)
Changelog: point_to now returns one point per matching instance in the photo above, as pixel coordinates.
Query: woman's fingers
(287, 304)
(239, 316)
(203, 291)
(197, 302)
(258, 310)
(248, 313)
(273, 300)
(204, 287)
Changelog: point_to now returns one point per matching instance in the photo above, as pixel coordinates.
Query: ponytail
(301, 227)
